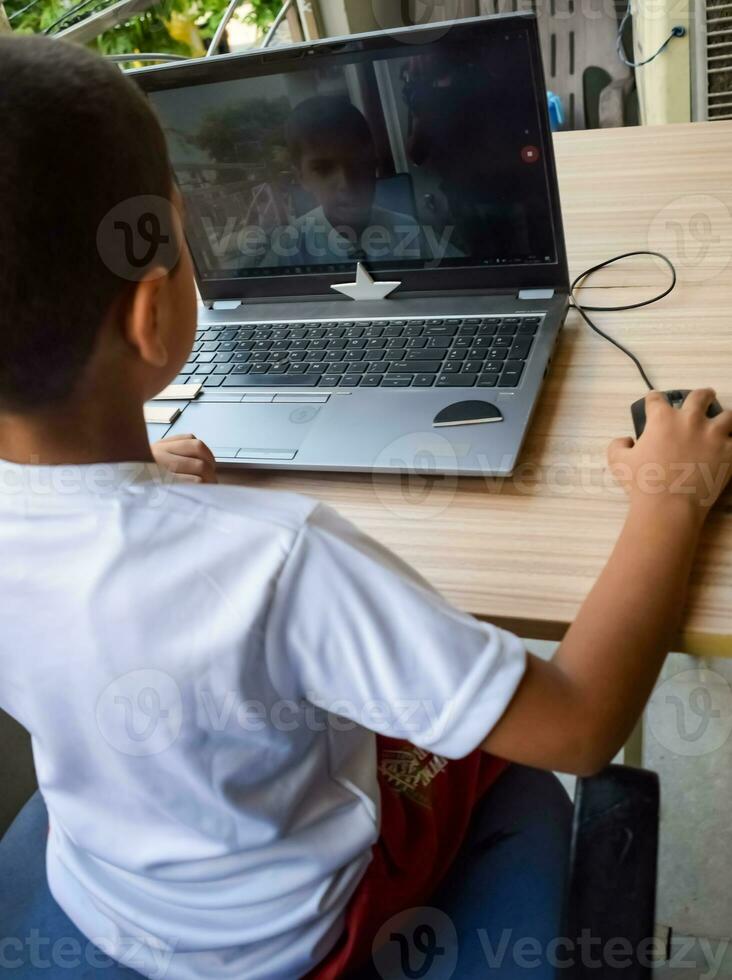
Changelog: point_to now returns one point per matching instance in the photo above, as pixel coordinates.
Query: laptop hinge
(536, 294)
(226, 304)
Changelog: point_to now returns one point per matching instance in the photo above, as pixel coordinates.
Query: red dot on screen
(530, 154)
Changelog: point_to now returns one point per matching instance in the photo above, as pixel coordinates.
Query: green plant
(171, 26)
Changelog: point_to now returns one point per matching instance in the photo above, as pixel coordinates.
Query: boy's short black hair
(323, 116)
(77, 139)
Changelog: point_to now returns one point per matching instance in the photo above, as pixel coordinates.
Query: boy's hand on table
(186, 456)
(575, 712)
(682, 454)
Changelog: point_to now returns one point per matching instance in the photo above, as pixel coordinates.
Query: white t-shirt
(199, 668)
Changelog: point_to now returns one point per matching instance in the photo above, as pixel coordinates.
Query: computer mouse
(675, 398)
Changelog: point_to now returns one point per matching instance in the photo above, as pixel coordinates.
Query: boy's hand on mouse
(187, 457)
(682, 455)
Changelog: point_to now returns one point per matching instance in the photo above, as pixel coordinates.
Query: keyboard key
(351, 379)
(271, 380)
(424, 380)
(424, 366)
(396, 380)
(510, 377)
(412, 331)
(456, 380)
(491, 366)
(473, 367)
(212, 381)
(488, 379)
(531, 319)
(462, 343)
(497, 353)
(205, 358)
(223, 368)
(371, 381)
(223, 358)
(502, 340)
(331, 379)
(378, 367)
(520, 347)
(434, 343)
(424, 355)
(527, 328)
(210, 345)
(440, 331)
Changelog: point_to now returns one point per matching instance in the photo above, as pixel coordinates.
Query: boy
(201, 668)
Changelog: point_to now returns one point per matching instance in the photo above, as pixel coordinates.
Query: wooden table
(524, 552)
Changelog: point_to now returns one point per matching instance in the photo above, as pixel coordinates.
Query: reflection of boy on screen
(334, 157)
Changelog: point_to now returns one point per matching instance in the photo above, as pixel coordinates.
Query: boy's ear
(144, 322)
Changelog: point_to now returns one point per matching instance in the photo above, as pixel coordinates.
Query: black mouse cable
(583, 310)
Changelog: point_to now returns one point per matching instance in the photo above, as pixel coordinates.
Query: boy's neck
(75, 433)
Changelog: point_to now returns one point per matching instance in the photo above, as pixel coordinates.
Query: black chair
(611, 888)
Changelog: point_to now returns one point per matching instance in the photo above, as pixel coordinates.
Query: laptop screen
(413, 156)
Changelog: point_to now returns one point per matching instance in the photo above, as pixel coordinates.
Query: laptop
(376, 231)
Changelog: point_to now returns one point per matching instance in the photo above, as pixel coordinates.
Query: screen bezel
(223, 68)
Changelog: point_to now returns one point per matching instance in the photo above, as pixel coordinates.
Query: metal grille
(719, 59)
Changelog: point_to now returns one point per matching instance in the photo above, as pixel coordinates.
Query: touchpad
(256, 431)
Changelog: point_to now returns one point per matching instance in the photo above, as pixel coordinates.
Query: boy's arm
(575, 712)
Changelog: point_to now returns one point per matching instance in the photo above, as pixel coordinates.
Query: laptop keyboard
(442, 352)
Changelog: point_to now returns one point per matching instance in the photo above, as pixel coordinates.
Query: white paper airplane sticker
(364, 287)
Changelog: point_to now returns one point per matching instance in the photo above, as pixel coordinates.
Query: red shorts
(426, 807)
